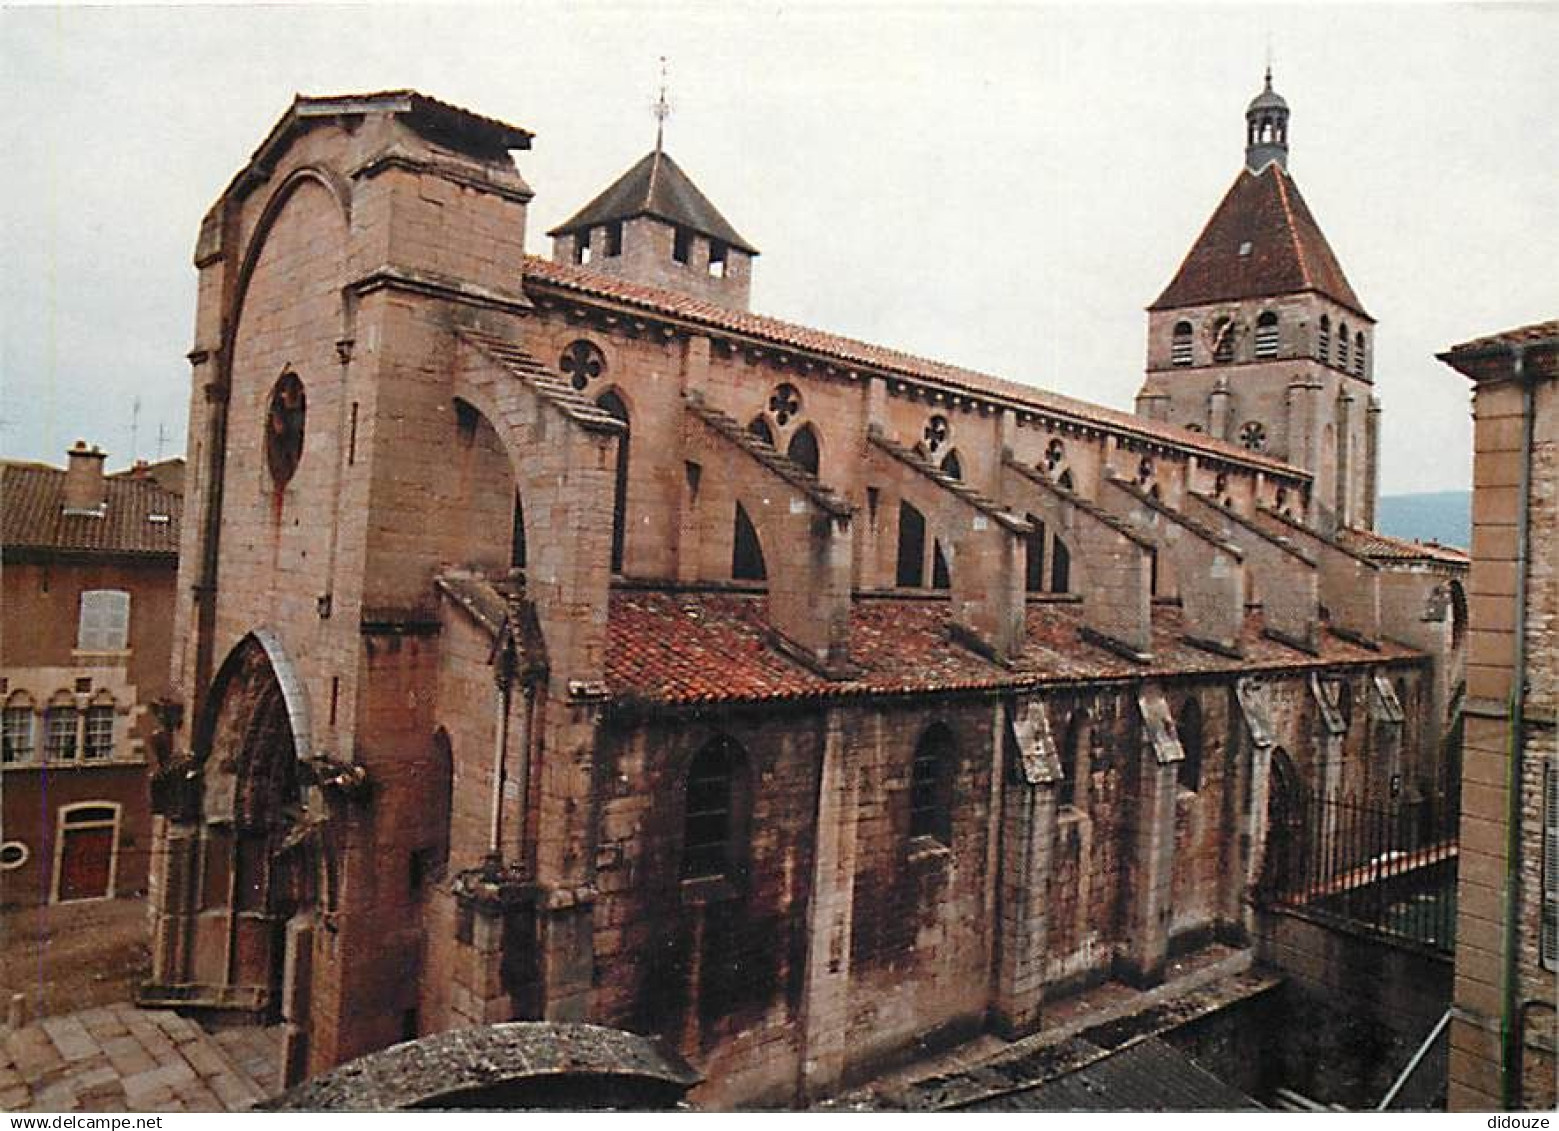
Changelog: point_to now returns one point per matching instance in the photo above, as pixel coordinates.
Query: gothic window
(1181, 344)
(1066, 480)
(1071, 758)
(517, 535)
(803, 449)
(613, 404)
(952, 467)
(1188, 726)
(1342, 346)
(941, 576)
(1323, 343)
(710, 818)
(60, 723)
(1034, 557)
(99, 732)
(717, 259)
(785, 403)
(931, 785)
(746, 550)
(614, 238)
(911, 572)
(1345, 702)
(682, 245)
(16, 733)
(582, 362)
(1223, 340)
(1267, 335)
(104, 624)
(1358, 354)
(1253, 435)
(284, 428)
(759, 427)
(936, 433)
(1060, 568)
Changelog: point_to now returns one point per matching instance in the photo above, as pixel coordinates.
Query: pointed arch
(759, 427)
(952, 466)
(612, 402)
(1034, 557)
(1072, 762)
(746, 550)
(931, 784)
(911, 568)
(1188, 727)
(714, 811)
(803, 449)
(941, 575)
(1060, 567)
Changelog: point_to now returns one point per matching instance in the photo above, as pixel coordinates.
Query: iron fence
(1388, 868)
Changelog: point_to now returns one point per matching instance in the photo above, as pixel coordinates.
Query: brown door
(87, 853)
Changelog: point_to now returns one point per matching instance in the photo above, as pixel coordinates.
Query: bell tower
(1260, 340)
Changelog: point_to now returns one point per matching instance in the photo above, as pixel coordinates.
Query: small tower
(1260, 340)
(1266, 129)
(652, 225)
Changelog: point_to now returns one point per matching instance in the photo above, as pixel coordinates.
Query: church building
(560, 639)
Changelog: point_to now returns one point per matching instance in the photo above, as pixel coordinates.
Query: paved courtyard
(119, 1058)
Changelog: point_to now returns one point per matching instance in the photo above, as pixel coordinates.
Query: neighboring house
(89, 564)
(560, 639)
(1507, 943)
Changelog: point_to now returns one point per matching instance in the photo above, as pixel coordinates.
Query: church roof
(688, 648)
(851, 352)
(1286, 251)
(656, 186)
(1380, 547)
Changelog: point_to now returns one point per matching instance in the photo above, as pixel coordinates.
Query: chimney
(84, 489)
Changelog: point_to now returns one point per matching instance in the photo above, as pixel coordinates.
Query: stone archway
(1286, 861)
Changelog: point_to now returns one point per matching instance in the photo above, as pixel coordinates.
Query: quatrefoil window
(1055, 452)
(936, 433)
(785, 404)
(1253, 434)
(582, 362)
(1144, 470)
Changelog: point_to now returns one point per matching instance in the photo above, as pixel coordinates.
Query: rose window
(582, 362)
(284, 428)
(1253, 434)
(785, 404)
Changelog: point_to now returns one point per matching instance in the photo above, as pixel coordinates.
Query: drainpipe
(1510, 1030)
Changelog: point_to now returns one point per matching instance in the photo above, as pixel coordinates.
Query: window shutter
(1550, 932)
(105, 621)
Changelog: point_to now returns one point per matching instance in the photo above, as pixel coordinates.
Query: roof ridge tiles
(969, 495)
(542, 380)
(769, 456)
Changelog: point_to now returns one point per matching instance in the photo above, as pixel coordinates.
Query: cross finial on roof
(662, 108)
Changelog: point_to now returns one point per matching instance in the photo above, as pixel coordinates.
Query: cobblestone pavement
(119, 1058)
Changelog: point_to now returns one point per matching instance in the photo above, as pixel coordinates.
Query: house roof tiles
(140, 517)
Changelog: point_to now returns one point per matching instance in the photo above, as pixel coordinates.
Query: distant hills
(1439, 516)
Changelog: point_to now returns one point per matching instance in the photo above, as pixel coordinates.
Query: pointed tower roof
(656, 186)
(1261, 241)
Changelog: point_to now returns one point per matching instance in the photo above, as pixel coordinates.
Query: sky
(1000, 186)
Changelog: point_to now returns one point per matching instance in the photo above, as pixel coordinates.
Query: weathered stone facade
(576, 648)
(1507, 944)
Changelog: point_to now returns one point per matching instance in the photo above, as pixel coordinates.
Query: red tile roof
(850, 352)
(32, 515)
(690, 648)
(1382, 547)
(1492, 357)
(1287, 252)
(1521, 335)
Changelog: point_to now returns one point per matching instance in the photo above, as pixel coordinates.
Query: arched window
(931, 785)
(1358, 354)
(613, 404)
(1458, 597)
(952, 466)
(941, 576)
(711, 820)
(98, 734)
(517, 535)
(1034, 557)
(1071, 758)
(1345, 702)
(1267, 335)
(17, 741)
(1342, 346)
(1065, 480)
(759, 427)
(803, 449)
(104, 625)
(61, 723)
(1188, 726)
(911, 572)
(1323, 341)
(1180, 344)
(1060, 568)
(746, 550)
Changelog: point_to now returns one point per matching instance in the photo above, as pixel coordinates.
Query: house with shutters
(86, 635)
